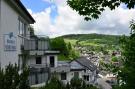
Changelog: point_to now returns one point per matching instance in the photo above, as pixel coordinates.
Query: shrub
(11, 79)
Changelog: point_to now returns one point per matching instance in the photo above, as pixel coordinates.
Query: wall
(9, 23)
(70, 75)
(32, 60)
(0, 31)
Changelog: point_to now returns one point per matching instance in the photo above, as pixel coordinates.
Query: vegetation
(127, 71)
(10, 78)
(75, 83)
(114, 59)
(94, 42)
(66, 50)
(93, 8)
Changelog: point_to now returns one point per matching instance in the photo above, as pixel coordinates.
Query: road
(101, 82)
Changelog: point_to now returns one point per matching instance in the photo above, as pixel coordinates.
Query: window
(38, 60)
(76, 74)
(86, 77)
(63, 76)
(22, 28)
(51, 61)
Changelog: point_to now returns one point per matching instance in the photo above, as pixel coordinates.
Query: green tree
(11, 79)
(24, 82)
(93, 8)
(127, 71)
(54, 83)
(59, 45)
(69, 46)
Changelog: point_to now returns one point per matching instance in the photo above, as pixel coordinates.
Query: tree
(127, 71)
(93, 8)
(24, 83)
(54, 83)
(11, 79)
(59, 45)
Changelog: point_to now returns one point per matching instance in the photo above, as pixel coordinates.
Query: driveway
(101, 82)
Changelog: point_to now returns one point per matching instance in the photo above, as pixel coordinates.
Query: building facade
(80, 68)
(14, 24)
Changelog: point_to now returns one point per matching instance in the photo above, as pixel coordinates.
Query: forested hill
(95, 40)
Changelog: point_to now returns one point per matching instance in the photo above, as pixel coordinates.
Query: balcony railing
(39, 66)
(38, 43)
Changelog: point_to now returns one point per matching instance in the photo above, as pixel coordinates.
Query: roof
(63, 63)
(22, 7)
(63, 66)
(86, 63)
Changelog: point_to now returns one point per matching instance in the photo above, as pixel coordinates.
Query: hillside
(94, 42)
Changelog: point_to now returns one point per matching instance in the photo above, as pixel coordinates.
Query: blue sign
(10, 42)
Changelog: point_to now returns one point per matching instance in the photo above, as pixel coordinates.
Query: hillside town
(20, 46)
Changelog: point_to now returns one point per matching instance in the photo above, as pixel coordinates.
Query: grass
(72, 41)
(62, 57)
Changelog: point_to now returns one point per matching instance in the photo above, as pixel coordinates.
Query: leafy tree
(54, 83)
(60, 45)
(66, 50)
(76, 83)
(24, 83)
(69, 46)
(127, 71)
(11, 79)
(1, 78)
(93, 8)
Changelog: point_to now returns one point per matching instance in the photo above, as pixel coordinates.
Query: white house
(14, 25)
(80, 68)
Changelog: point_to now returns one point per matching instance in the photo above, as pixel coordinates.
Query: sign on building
(10, 42)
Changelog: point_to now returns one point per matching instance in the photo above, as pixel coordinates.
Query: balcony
(35, 44)
(38, 66)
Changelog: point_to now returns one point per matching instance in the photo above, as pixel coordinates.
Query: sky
(56, 18)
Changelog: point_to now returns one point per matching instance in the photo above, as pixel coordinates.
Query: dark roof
(19, 4)
(86, 63)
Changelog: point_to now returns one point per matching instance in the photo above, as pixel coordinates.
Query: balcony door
(38, 60)
(52, 61)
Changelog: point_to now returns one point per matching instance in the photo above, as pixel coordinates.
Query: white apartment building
(14, 24)
(17, 46)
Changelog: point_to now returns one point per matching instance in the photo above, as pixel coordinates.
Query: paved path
(103, 84)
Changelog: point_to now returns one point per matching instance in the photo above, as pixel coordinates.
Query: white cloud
(69, 22)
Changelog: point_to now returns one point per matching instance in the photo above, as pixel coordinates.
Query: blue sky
(57, 18)
(40, 5)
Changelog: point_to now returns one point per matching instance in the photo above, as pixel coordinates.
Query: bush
(11, 79)
(54, 83)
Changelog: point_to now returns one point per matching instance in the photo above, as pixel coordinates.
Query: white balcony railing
(37, 43)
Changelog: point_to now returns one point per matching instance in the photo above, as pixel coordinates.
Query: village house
(79, 68)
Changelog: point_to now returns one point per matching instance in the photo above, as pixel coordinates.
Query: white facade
(10, 15)
(75, 70)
